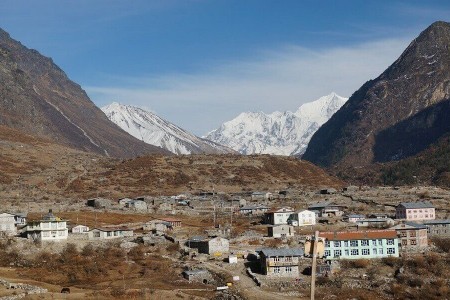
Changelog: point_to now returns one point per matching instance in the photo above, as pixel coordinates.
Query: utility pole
(214, 216)
(314, 264)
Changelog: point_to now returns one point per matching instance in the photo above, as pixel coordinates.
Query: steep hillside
(38, 98)
(279, 133)
(154, 130)
(396, 115)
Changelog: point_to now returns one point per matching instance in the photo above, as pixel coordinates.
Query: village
(243, 245)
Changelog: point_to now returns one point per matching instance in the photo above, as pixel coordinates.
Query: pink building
(413, 211)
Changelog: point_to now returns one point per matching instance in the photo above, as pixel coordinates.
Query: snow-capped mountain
(154, 130)
(279, 133)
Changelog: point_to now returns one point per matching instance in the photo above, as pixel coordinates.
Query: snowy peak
(154, 130)
(280, 133)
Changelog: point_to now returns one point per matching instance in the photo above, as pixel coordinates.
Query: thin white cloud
(275, 80)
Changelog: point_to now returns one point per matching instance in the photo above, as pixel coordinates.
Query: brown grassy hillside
(38, 169)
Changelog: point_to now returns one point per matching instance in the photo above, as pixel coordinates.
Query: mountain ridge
(154, 130)
(417, 80)
(278, 133)
(37, 97)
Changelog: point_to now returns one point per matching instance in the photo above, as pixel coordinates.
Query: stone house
(49, 228)
(360, 244)
(280, 231)
(415, 211)
(7, 224)
(78, 229)
(174, 222)
(158, 226)
(278, 216)
(378, 216)
(352, 218)
(199, 275)
(328, 209)
(253, 210)
(378, 223)
(439, 228)
(412, 236)
(280, 262)
(302, 218)
(215, 246)
(109, 233)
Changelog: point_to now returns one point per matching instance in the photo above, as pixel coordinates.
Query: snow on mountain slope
(279, 133)
(154, 130)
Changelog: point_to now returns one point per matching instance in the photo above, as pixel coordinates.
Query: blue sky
(200, 63)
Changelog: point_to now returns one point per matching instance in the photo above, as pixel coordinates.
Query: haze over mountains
(397, 115)
(38, 98)
(279, 133)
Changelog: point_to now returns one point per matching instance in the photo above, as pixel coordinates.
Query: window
(390, 242)
(354, 252)
(380, 242)
(327, 253)
(374, 251)
(404, 242)
(365, 251)
(412, 233)
(96, 234)
(374, 242)
(327, 243)
(354, 243)
(390, 250)
(337, 253)
(288, 269)
(276, 258)
(337, 243)
(413, 242)
(380, 251)
(61, 233)
(364, 243)
(109, 233)
(45, 234)
(346, 243)
(276, 270)
(347, 252)
(403, 233)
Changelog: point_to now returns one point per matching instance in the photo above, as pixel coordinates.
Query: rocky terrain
(39, 169)
(38, 98)
(395, 116)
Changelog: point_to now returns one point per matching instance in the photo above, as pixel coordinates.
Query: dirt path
(246, 286)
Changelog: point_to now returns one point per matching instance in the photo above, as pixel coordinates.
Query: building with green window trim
(360, 244)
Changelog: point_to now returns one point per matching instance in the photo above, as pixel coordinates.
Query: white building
(7, 224)
(278, 216)
(280, 231)
(109, 233)
(50, 228)
(80, 229)
(303, 218)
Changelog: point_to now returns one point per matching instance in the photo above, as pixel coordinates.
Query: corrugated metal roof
(413, 205)
(358, 235)
(431, 222)
(282, 252)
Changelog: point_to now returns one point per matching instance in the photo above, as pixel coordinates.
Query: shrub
(443, 244)
(355, 264)
(391, 261)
